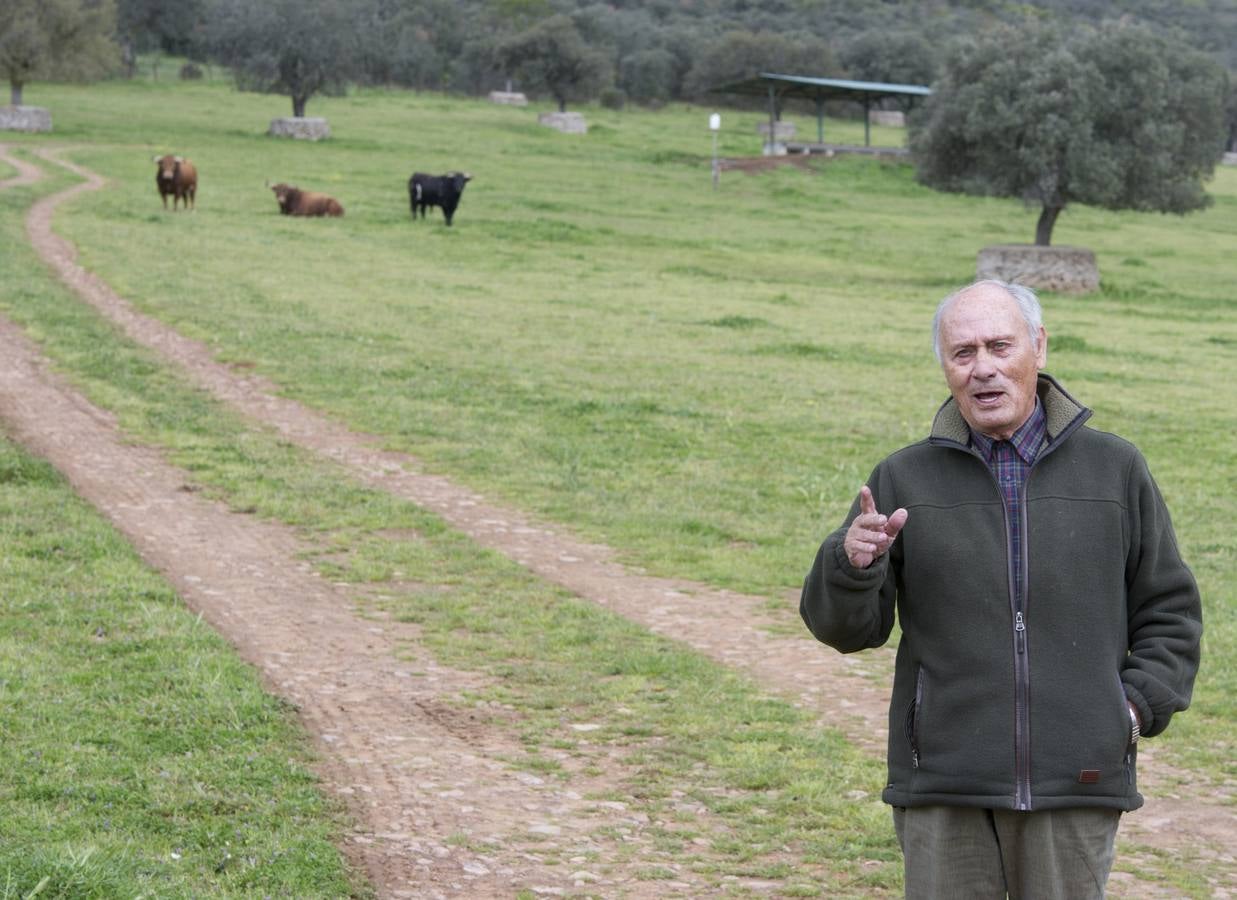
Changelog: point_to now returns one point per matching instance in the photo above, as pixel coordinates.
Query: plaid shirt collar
(1026, 441)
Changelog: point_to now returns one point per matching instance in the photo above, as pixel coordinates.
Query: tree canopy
(297, 48)
(416, 43)
(740, 54)
(1117, 117)
(56, 39)
(897, 57)
(168, 25)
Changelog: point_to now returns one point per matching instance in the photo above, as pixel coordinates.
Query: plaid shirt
(1010, 461)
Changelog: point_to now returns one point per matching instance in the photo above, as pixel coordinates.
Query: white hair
(1028, 305)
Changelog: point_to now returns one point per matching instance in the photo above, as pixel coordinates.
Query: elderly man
(1048, 621)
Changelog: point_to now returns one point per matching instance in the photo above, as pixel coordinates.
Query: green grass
(701, 379)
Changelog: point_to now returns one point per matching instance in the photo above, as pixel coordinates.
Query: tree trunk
(15, 93)
(562, 104)
(1043, 228)
(298, 106)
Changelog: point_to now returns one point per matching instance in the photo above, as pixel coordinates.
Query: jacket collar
(1062, 414)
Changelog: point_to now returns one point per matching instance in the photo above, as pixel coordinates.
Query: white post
(715, 124)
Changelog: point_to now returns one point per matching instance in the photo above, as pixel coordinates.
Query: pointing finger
(867, 505)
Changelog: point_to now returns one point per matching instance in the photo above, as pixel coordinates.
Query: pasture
(701, 379)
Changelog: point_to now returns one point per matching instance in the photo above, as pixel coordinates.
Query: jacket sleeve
(1163, 607)
(847, 608)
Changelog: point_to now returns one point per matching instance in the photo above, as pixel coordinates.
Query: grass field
(699, 378)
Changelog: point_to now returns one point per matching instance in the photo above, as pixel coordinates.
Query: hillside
(655, 51)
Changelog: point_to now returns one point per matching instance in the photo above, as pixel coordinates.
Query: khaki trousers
(962, 853)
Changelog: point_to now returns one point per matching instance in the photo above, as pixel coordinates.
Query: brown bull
(295, 202)
(176, 176)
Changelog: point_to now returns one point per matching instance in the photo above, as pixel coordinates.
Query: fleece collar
(1062, 413)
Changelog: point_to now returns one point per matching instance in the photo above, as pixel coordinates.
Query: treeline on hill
(645, 51)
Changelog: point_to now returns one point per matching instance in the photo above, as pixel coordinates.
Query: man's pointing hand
(871, 534)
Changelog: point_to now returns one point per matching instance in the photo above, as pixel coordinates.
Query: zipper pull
(1020, 628)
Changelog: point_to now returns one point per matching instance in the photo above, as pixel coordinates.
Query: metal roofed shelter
(779, 88)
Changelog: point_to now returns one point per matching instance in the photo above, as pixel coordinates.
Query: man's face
(990, 361)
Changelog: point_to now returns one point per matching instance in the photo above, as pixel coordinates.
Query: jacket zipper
(1022, 664)
(1022, 673)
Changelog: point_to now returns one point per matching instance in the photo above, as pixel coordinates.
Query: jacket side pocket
(914, 718)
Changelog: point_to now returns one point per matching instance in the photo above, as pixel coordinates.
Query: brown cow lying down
(295, 202)
(176, 176)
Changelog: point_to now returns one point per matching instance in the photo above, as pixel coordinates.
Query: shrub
(613, 98)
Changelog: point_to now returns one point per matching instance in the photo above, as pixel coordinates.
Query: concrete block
(25, 118)
(1066, 270)
(566, 122)
(301, 128)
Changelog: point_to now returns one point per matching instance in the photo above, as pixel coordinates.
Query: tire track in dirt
(415, 769)
(26, 172)
(724, 625)
(342, 673)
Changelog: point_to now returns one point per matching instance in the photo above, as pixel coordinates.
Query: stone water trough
(1065, 270)
(508, 98)
(566, 122)
(304, 128)
(25, 118)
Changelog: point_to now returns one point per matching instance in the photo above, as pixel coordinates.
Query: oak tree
(551, 56)
(297, 48)
(56, 39)
(1117, 117)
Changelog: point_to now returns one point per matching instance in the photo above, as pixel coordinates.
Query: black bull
(436, 190)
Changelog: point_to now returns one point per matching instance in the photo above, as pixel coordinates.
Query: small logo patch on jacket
(1089, 776)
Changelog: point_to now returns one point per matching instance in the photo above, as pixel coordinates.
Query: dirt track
(389, 746)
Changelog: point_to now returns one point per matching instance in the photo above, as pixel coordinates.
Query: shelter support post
(820, 119)
(867, 122)
(772, 119)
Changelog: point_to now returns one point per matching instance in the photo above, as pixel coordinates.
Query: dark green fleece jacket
(1010, 708)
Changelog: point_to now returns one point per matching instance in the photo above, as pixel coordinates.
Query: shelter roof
(821, 88)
